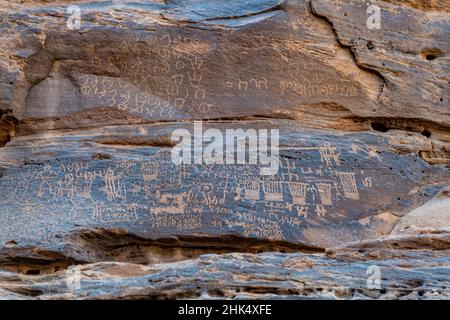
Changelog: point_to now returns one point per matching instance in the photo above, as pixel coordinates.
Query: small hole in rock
(101, 156)
(216, 293)
(432, 54)
(11, 242)
(33, 272)
(370, 45)
(379, 127)
(426, 133)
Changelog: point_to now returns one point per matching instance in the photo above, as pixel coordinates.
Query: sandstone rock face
(88, 183)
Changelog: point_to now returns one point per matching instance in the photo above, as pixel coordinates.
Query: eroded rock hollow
(91, 93)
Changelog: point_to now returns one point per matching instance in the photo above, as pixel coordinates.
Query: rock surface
(87, 182)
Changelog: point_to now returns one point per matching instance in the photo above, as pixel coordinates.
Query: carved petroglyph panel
(154, 76)
(177, 73)
(314, 185)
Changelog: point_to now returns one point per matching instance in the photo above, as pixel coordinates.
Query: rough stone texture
(86, 175)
